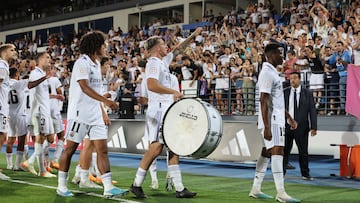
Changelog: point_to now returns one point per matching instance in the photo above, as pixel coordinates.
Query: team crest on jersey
(267, 84)
(83, 70)
(153, 70)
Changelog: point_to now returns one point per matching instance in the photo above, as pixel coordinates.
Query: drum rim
(220, 133)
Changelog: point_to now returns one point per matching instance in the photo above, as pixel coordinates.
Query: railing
(244, 100)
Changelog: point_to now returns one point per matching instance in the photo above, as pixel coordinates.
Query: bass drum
(192, 127)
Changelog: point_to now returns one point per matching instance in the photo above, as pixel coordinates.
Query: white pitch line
(75, 191)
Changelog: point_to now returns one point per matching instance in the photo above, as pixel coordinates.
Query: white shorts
(153, 122)
(4, 124)
(43, 125)
(17, 126)
(316, 81)
(58, 123)
(278, 137)
(76, 131)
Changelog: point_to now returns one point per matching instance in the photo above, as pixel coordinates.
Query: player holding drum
(159, 88)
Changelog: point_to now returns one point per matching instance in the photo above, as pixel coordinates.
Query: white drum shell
(192, 128)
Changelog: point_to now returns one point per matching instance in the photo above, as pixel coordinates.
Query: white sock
(84, 175)
(175, 174)
(31, 160)
(140, 177)
(277, 171)
(260, 171)
(58, 151)
(77, 170)
(46, 155)
(39, 155)
(94, 166)
(62, 180)
(19, 156)
(26, 148)
(153, 172)
(9, 160)
(107, 181)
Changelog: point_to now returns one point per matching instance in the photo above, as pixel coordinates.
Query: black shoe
(185, 193)
(138, 192)
(290, 167)
(307, 177)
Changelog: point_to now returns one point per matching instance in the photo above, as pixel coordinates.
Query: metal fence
(244, 101)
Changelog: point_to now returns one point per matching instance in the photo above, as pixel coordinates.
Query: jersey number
(13, 97)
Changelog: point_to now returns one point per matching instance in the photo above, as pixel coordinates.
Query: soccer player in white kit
(86, 115)
(272, 122)
(144, 100)
(56, 97)
(42, 122)
(18, 118)
(159, 88)
(7, 54)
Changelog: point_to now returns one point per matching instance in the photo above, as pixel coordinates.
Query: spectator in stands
(193, 69)
(320, 19)
(248, 88)
(327, 23)
(317, 75)
(356, 48)
(341, 58)
(289, 64)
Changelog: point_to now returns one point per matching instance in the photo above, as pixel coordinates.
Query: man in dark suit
(301, 109)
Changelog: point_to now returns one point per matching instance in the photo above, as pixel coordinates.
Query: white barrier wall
(241, 141)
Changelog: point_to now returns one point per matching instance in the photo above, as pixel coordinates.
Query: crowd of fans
(319, 39)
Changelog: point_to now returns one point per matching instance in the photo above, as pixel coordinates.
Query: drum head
(185, 126)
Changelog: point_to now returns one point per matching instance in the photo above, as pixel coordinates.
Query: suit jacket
(306, 112)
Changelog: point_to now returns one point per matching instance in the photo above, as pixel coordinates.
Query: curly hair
(91, 42)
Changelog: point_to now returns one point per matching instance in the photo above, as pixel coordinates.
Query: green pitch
(29, 188)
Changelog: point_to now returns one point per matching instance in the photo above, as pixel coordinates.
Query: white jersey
(143, 89)
(18, 98)
(269, 82)
(174, 82)
(83, 108)
(32, 108)
(158, 69)
(4, 88)
(41, 92)
(55, 104)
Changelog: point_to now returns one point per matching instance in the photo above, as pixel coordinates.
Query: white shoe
(154, 185)
(88, 184)
(4, 177)
(330, 113)
(317, 105)
(65, 193)
(29, 167)
(75, 180)
(259, 195)
(286, 198)
(9, 167)
(115, 192)
(47, 175)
